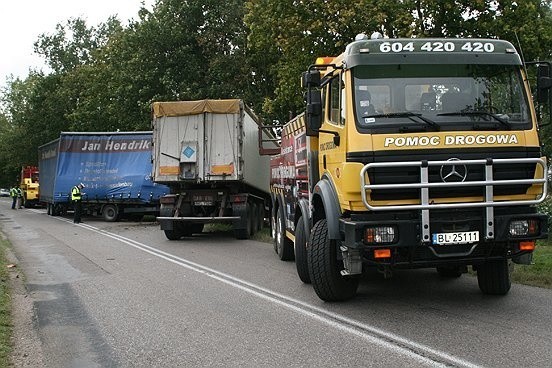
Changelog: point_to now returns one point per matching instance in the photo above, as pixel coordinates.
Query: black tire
(57, 210)
(273, 230)
(324, 267)
(173, 234)
(493, 277)
(197, 228)
(301, 262)
(449, 272)
(185, 228)
(110, 213)
(283, 246)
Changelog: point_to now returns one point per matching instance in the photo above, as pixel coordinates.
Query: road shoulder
(26, 344)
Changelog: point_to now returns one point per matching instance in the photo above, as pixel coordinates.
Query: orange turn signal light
(324, 60)
(527, 245)
(382, 253)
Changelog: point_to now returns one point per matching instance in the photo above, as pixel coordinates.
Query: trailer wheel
(110, 212)
(325, 268)
(283, 246)
(57, 209)
(493, 277)
(185, 228)
(173, 234)
(449, 272)
(197, 228)
(301, 262)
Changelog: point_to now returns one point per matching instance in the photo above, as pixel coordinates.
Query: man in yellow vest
(13, 195)
(19, 200)
(76, 197)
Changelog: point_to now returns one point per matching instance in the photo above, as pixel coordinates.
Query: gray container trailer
(207, 152)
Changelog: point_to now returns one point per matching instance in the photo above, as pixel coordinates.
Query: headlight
(524, 227)
(380, 235)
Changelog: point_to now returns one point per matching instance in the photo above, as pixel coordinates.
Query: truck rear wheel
(301, 262)
(197, 228)
(58, 209)
(493, 277)
(325, 268)
(110, 212)
(282, 245)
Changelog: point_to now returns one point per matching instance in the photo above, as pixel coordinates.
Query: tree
(74, 43)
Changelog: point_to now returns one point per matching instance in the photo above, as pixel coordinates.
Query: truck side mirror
(311, 79)
(544, 83)
(313, 114)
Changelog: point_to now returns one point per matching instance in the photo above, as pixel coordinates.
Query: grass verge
(5, 307)
(540, 272)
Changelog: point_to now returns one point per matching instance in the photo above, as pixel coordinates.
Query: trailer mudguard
(325, 193)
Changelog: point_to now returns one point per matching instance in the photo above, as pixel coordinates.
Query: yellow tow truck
(412, 153)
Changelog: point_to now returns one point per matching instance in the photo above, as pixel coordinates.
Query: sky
(22, 21)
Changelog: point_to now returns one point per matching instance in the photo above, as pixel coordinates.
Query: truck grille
(404, 175)
(411, 174)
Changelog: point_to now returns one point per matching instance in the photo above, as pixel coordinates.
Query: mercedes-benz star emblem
(453, 173)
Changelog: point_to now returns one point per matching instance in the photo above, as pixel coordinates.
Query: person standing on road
(76, 197)
(13, 195)
(19, 198)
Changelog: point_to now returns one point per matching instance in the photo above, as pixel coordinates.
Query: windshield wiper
(504, 123)
(408, 114)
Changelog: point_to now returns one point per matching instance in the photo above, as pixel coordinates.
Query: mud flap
(240, 209)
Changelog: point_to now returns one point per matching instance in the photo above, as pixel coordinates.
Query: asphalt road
(122, 295)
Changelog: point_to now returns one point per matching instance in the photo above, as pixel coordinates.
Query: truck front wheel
(325, 268)
(493, 277)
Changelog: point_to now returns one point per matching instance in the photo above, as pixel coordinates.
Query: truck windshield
(452, 97)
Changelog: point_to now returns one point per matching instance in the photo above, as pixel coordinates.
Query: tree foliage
(105, 77)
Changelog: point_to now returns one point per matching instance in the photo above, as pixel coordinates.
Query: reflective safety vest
(75, 193)
(13, 192)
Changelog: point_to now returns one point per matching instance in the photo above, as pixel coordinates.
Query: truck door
(222, 146)
(332, 146)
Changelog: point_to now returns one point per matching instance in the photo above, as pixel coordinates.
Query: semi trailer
(115, 168)
(207, 153)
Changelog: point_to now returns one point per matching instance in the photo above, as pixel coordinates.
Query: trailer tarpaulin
(183, 108)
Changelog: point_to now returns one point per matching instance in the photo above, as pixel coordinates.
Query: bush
(546, 208)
